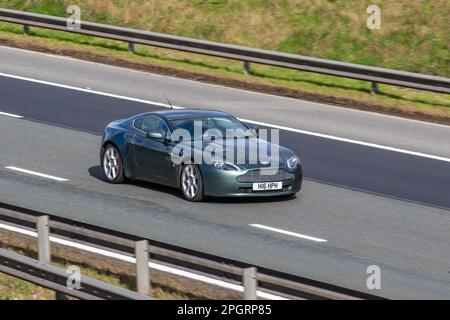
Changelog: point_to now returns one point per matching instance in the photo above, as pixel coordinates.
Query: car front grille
(271, 175)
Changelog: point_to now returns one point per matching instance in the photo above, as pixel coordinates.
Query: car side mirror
(158, 136)
(155, 135)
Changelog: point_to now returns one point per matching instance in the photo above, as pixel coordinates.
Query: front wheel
(192, 183)
(112, 165)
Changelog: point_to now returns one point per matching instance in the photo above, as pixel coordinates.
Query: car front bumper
(221, 183)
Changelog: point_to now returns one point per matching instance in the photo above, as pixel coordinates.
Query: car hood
(233, 146)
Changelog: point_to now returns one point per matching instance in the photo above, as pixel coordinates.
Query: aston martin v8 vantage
(192, 150)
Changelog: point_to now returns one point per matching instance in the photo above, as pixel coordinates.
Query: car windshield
(226, 125)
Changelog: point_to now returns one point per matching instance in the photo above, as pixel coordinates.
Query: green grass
(15, 289)
(413, 36)
(307, 29)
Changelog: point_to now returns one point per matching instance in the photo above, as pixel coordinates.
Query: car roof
(185, 114)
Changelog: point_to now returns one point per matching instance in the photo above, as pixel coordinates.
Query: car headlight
(225, 165)
(292, 162)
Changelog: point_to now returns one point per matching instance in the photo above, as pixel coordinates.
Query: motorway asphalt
(408, 240)
(299, 114)
(340, 163)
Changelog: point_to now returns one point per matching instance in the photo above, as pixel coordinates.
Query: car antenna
(170, 103)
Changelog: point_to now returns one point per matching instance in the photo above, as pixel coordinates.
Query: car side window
(138, 123)
(152, 124)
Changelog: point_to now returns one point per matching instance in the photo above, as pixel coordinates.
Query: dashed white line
(289, 233)
(311, 133)
(10, 115)
(34, 173)
(152, 265)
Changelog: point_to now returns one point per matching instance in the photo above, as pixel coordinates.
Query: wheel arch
(128, 171)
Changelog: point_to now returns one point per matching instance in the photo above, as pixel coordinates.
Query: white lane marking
(112, 95)
(152, 265)
(289, 233)
(34, 173)
(10, 115)
(311, 133)
(367, 144)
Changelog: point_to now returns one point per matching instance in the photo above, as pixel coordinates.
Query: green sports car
(203, 153)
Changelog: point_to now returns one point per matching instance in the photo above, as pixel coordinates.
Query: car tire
(112, 165)
(191, 183)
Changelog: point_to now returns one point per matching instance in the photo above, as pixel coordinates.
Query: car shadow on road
(251, 199)
(97, 172)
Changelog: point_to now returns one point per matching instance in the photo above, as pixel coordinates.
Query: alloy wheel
(111, 163)
(190, 181)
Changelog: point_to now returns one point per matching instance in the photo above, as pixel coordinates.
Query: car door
(152, 156)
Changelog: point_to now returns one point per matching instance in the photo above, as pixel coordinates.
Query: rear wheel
(112, 165)
(192, 183)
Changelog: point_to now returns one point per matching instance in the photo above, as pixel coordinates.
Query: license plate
(266, 186)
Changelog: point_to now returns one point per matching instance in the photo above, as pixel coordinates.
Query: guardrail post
(44, 250)
(246, 67)
(26, 29)
(374, 88)
(131, 47)
(60, 296)
(249, 282)
(142, 269)
(43, 231)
